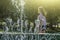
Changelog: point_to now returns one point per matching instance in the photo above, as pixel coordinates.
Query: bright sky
(54, 3)
(48, 1)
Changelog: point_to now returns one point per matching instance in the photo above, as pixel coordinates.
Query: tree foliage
(6, 8)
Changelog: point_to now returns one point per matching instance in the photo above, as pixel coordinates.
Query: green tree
(6, 9)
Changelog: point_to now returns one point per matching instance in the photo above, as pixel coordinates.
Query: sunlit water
(27, 34)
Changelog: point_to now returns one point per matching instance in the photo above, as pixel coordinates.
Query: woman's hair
(41, 10)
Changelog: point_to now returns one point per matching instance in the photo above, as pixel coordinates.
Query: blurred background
(12, 8)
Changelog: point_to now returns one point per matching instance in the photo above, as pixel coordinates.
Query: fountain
(18, 25)
(37, 23)
(24, 34)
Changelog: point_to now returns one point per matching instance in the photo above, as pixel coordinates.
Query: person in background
(42, 19)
